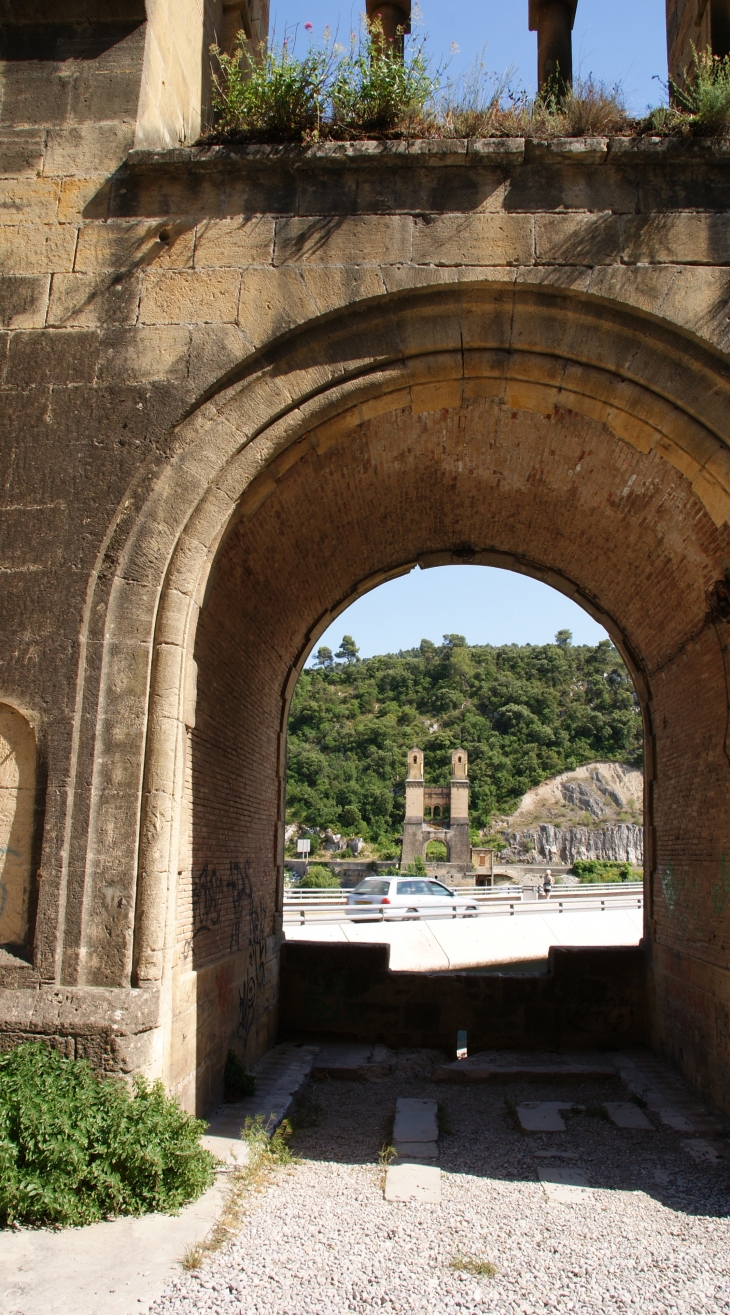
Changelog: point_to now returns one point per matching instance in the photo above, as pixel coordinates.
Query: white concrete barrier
(438, 944)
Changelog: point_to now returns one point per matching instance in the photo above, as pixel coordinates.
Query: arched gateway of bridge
(286, 377)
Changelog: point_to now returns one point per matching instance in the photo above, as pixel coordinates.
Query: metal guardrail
(335, 895)
(296, 912)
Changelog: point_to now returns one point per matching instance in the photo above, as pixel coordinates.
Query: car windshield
(371, 886)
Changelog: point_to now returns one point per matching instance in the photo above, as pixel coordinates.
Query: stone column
(413, 844)
(553, 21)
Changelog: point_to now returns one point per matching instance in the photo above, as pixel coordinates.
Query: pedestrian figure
(547, 883)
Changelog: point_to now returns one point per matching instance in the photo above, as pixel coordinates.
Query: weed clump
(472, 1265)
(75, 1148)
(237, 1082)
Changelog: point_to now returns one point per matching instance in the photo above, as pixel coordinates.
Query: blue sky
(618, 42)
(486, 605)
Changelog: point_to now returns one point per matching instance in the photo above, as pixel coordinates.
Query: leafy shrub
(417, 868)
(375, 91)
(75, 1148)
(706, 97)
(274, 96)
(271, 97)
(593, 871)
(237, 1083)
(319, 877)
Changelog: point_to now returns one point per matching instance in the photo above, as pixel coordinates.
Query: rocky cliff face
(622, 842)
(592, 812)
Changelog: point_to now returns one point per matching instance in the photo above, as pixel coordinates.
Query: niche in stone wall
(17, 816)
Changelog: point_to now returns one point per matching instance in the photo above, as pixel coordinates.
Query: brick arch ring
(531, 349)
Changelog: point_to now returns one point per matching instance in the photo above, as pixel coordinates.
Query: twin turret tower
(436, 812)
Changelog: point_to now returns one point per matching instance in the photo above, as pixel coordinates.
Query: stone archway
(575, 441)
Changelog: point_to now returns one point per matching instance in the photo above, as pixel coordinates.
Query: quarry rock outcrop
(594, 811)
(619, 843)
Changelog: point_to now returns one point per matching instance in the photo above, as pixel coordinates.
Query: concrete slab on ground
(528, 1066)
(703, 1151)
(416, 1150)
(117, 1267)
(665, 1091)
(625, 1114)
(564, 1186)
(415, 1120)
(542, 1115)
(413, 1182)
(350, 1063)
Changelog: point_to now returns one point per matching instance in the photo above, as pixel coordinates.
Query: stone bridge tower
(425, 803)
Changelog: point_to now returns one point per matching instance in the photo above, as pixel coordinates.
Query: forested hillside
(523, 713)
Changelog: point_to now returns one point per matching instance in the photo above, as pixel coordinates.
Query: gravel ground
(653, 1237)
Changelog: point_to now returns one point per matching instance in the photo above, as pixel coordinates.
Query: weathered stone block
(236, 242)
(117, 245)
(21, 151)
(695, 239)
(190, 297)
(578, 239)
(55, 356)
(87, 148)
(94, 299)
(141, 355)
(483, 239)
(346, 240)
(31, 199)
(36, 248)
(23, 301)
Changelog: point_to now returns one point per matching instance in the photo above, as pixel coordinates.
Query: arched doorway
(574, 441)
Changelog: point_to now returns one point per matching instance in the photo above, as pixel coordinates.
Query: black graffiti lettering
(207, 900)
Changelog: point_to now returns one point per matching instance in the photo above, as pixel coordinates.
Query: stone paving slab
(516, 1066)
(350, 1063)
(703, 1151)
(413, 1182)
(564, 1186)
(542, 1115)
(415, 1120)
(417, 1150)
(625, 1114)
(665, 1092)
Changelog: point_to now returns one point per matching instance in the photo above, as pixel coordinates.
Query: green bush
(75, 1148)
(270, 97)
(374, 90)
(237, 1082)
(319, 877)
(706, 97)
(417, 868)
(274, 96)
(593, 870)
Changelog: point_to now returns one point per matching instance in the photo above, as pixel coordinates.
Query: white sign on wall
(303, 846)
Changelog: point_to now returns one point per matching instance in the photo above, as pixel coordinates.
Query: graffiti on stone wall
(255, 971)
(670, 885)
(207, 900)
(226, 905)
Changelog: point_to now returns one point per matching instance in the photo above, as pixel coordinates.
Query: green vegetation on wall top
(523, 713)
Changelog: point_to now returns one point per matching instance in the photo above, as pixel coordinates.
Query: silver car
(407, 897)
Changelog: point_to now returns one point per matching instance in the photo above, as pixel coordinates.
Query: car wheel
(411, 915)
(470, 911)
